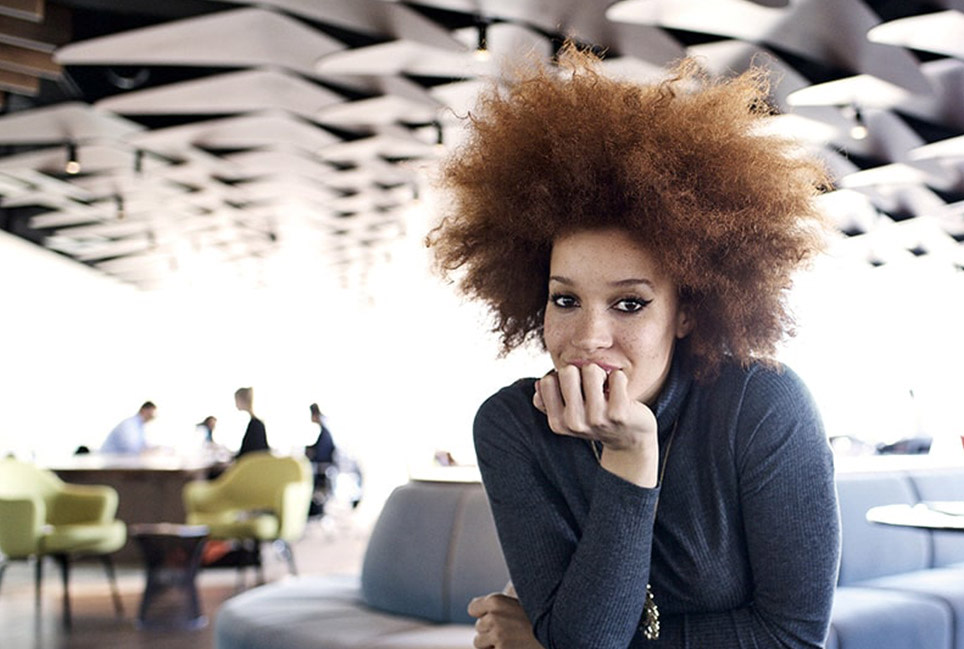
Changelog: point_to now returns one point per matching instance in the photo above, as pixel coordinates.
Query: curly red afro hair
(682, 165)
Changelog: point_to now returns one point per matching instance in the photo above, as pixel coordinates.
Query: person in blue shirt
(128, 436)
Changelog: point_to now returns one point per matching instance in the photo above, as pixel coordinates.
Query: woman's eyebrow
(618, 283)
(632, 282)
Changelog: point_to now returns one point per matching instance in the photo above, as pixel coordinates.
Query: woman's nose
(591, 331)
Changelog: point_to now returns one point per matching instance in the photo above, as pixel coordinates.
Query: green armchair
(41, 516)
(260, 498)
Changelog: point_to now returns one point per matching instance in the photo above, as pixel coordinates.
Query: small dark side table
(172, 557)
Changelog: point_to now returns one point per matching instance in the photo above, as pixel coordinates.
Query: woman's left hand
(501, 623)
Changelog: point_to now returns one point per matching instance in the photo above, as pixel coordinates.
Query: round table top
(930, 515)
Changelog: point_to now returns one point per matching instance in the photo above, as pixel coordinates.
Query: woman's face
(610, 305)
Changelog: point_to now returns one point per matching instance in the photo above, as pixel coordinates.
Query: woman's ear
(684, 322)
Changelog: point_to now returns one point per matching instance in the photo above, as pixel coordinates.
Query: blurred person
(255, 436)
(323, 450)
(128, 437)
(206, 429)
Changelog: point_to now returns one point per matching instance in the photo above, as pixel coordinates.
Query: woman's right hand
(501, 623)
(587, 403)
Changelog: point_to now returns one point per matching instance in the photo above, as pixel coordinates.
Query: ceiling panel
(204, 129)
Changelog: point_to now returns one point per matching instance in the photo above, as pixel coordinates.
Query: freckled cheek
(555, 336)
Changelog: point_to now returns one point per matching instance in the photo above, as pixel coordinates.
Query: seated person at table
(128, 436)
(323, 450)
(206, 429)
(255, 436)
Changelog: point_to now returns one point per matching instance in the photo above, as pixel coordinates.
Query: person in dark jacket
(255, 436)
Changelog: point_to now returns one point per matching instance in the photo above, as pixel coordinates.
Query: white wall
(391, 355)
(396, 360)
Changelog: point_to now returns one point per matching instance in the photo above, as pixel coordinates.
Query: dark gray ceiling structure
(138, 134)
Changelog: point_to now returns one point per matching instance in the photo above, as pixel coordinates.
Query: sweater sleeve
(582, 588)
(791, 524)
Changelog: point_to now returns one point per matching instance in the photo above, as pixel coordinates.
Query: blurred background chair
(260, 498)
(41, 515)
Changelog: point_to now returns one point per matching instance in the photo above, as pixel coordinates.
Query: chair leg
(64, 562)
(38, 582)
(115, 594)
(284, 549)
(258, 563)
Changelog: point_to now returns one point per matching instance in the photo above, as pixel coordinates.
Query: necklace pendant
(649, 624)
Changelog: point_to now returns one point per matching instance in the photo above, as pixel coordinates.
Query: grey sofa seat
(891, 592)
(434, 547)
(432, 550)
(880, 619)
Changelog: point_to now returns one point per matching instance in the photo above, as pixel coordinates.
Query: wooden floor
(332, 546)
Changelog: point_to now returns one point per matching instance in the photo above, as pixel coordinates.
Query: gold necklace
(649, 621)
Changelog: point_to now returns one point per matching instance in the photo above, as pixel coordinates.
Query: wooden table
(149, 486)
(930, 515)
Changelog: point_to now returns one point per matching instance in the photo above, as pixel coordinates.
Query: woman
(667, 484)
(255, 436)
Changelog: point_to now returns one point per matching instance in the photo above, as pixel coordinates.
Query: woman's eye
(631, 304)
(563, 301)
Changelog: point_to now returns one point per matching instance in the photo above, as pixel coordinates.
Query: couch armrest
(83, 504)
(21, 524)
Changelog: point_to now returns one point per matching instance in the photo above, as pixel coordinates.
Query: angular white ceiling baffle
(63, 122)
(384, 110)
(372, 17)
(234, 38)
(952, 147)
(941, 32)
(830, 31)
(505, 43)
(390, 142)
(241, 132)
(94, 157)
(275, 161)
(943, 104)
(231, 92)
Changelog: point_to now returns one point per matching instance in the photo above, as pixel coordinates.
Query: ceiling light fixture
(439, 135)
(73, 164)
(482, 45)
(859, 130)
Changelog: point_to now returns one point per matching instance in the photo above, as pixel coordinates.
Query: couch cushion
(945, 585)
(870, 550)
(315, 612)
(947, 484)
(870, 618)
(433, 548)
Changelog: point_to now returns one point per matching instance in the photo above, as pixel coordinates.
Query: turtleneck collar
(674, 392)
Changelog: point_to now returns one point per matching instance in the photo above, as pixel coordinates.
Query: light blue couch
(900, 588)
(434, 547)
(431, 551)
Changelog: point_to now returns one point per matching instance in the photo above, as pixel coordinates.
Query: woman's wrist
(638, 465)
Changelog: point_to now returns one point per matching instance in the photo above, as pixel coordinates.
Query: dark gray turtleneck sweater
(744, 548)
